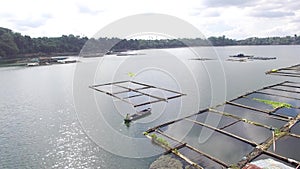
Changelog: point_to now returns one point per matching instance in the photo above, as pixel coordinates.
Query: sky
(237, 19)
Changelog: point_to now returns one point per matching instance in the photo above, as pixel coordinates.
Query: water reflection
(288, 146)
(223, 147)
(249, 132)
(252, 115)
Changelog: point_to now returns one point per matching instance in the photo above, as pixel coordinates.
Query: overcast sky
(234, 18)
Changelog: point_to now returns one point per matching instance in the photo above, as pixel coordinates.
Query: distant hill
(13, 44)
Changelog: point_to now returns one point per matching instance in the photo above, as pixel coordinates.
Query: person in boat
(127, 116)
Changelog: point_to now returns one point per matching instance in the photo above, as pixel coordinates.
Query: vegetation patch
(153, 136)
(274, 104)
(276, 131)
(159, 140)
(162, 141)
(279, 133)
(175, 151)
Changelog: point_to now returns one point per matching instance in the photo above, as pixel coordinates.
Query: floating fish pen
(202, 59)
(244, 58)
(239, 132)
(291, 71)
(136, 94)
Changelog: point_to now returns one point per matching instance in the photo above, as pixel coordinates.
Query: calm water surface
(42, 127)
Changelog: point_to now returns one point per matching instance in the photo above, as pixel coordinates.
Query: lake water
(49, 118)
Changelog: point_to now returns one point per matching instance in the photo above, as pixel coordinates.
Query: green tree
(7, 45)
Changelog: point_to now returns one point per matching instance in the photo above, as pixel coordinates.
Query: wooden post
(272, 94)
(172, 91)
(146, 94)
(113, 95)
(273, 135)
(284, 90)
(291, 86)
(106, 84)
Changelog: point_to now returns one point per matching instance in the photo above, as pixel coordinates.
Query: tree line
(13, 44)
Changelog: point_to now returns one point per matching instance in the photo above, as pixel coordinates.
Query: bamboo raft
(249, 103)
(139, 92)
(291, 71)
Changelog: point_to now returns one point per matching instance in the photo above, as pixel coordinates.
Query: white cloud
(233, 18)
(226, 3)
(272, 14)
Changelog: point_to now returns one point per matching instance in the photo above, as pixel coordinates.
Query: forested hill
(14, 44)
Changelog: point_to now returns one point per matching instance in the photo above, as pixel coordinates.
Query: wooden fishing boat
(137, 115)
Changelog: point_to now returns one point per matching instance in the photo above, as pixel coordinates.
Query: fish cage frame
(137, 90)
(258, 149)
(294, 71)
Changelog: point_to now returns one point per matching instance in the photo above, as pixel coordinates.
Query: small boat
(65, 61)
(137, 115)
(33, 64)
(241, 55)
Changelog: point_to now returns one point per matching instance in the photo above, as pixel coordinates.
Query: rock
(166, 162)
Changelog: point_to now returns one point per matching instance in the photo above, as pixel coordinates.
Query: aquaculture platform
(136, 94)
(263, 124)
(244, 58)
(128, 91)
(291, 71)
